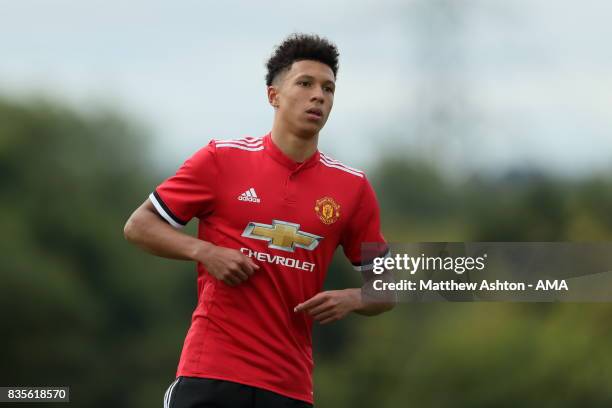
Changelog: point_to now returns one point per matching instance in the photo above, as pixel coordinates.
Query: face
(303, 97)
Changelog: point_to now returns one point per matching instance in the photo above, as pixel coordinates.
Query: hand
(227, 265)
(330, 306)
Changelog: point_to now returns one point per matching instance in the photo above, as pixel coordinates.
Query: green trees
(79, 306)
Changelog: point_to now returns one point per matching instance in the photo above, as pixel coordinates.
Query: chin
(308, 132)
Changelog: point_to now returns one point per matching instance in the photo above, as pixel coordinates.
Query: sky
(471, 85)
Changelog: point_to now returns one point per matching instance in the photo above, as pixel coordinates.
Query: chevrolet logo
(282, 235)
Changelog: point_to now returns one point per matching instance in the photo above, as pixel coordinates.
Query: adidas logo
(249, 195)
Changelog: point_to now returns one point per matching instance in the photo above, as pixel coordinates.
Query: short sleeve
(191, 191)
(364, 228)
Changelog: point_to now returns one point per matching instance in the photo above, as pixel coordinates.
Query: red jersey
(289, 218)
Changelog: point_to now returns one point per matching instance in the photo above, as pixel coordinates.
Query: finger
(329, 320)
(312, 302)
(231, 279)
(247, 267)
(323, 315)
(239, 274)
(252, 263)
(323, 307)
(248, 261)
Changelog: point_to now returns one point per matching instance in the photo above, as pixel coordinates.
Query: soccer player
(272, 210)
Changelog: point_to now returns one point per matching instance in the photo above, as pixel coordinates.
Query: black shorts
(193, 392)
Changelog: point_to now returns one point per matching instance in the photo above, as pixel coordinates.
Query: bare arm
(372, 302)
(146, 229)
(371, 308)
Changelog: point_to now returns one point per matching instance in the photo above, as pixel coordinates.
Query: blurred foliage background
(81, 307)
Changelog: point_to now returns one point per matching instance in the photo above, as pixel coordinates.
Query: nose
(317, 95)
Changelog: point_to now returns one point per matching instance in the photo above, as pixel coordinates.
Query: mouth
(315, 113)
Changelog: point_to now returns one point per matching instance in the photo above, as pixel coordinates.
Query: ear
(273, 96)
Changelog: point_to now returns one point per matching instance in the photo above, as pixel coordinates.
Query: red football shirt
(289, 218)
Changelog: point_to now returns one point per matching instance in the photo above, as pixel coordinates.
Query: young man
(272, 211)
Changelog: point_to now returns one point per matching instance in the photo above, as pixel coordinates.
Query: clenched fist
(227, 265)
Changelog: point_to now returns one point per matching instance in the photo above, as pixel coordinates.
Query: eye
(328, 89)
(304, 83)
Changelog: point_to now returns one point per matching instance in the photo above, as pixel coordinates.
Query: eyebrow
(306, 76)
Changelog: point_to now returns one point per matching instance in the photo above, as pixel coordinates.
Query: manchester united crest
(327, 210)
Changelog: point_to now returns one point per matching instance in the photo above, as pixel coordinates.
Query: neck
(298, 147)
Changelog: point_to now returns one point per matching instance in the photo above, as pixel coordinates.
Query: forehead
(311, 68)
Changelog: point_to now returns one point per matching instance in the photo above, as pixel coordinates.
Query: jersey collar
(286, 161)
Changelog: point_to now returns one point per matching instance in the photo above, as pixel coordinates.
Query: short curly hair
(299, 47)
